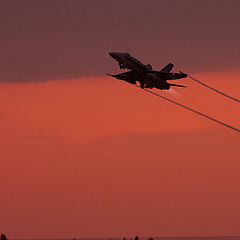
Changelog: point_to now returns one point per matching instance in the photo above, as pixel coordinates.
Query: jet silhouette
(144, 74)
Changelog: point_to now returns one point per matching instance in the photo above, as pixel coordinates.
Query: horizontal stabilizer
(183, 73)
(176, 85)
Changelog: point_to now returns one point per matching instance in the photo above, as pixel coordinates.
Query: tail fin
(168, 68)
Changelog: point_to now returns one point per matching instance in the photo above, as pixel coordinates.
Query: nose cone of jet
(113, 54)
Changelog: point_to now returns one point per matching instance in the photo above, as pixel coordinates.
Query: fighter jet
(144, 74)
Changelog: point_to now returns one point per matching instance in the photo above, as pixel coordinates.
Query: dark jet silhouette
(144, 74)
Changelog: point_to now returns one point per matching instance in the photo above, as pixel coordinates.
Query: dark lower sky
(59, 39)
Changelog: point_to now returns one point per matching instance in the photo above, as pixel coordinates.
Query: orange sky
(97, 157)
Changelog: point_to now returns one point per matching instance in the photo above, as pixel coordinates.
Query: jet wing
(127, 76)
(168, 68)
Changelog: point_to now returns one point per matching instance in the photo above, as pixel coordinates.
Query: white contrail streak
(192, 110)
(217, 91)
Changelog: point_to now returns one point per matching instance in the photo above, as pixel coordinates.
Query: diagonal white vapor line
(215, 90)
(191, 109)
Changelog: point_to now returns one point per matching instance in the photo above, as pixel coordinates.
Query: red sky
(96, 157)
(85, 155)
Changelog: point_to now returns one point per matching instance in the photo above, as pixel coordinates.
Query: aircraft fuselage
(143, 73)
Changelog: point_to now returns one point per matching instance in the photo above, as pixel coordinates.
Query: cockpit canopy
(126, 54)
